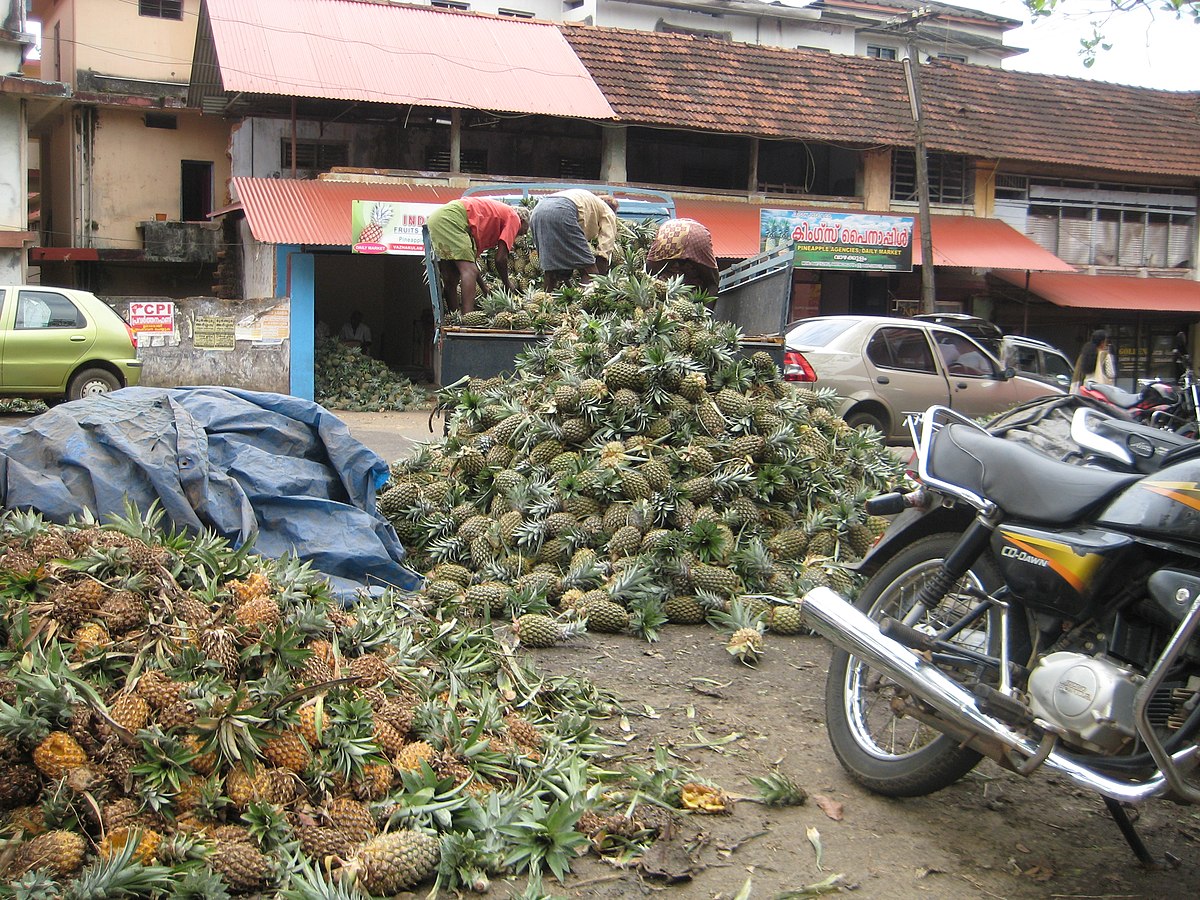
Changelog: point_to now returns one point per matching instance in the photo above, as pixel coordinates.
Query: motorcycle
(1041, 613)
(1160, 404)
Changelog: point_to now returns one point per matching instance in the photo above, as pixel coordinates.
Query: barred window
(161, 9)
(951, 177)
(316, 155)
(1094, 224)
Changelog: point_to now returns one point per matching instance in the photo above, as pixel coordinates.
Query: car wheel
(862, 419)
(92, 383)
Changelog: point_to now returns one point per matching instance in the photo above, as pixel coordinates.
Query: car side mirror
(1006, 374)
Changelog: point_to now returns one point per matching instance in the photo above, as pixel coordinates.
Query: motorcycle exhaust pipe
(838, 621)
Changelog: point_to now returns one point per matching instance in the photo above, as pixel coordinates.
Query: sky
(1149, 49)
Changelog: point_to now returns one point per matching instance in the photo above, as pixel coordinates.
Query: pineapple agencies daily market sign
(828, 240)
(380, 226)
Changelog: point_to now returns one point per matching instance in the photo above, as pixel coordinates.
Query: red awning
(1175, 295)
(283, 211)
(973, 243)
(387, 53)
(960, 241)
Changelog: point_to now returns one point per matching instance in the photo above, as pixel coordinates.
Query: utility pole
(912, 76)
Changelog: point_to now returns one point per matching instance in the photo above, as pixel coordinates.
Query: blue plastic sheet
(277, 472)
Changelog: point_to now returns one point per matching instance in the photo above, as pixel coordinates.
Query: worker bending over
(464, 229)
(564, 225)
(684, 247)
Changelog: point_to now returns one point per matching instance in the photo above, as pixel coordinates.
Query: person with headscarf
(1095, 362)
(462, 230)
(684, 247)
(565, 225)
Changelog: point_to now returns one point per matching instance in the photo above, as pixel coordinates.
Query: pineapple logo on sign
(380, 226)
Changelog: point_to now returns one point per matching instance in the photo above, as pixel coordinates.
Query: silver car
(887, 369)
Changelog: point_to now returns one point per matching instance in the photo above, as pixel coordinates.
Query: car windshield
(817, 332)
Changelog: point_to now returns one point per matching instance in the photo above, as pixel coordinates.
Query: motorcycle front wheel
(883, 750)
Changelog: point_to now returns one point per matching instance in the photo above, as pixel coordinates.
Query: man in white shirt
(355, 333)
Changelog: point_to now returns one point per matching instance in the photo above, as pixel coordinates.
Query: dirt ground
(994, 834)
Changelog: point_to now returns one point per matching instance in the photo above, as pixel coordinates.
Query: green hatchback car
(63, 344)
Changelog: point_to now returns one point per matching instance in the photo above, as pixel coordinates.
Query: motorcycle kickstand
(1132, 838)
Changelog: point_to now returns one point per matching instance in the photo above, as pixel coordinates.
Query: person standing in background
(1095, 362)
(564, 224)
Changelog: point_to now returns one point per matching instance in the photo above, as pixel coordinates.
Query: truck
(754, 294)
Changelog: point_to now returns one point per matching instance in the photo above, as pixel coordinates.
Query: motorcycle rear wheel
(891, 754)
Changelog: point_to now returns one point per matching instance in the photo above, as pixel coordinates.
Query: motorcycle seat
(1115, 395)
(1021, 481)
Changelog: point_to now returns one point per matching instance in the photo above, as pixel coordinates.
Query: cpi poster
(379, 226)
(829, 240)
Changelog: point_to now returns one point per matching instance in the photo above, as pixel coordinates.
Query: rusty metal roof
(386, 53)
(286, 211)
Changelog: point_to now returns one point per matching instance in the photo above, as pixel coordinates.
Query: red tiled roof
(385, 53)
(685, 81)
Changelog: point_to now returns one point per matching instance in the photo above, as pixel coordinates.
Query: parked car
(886, 369)
(1037, 359)
(63, 344)
(983, 331)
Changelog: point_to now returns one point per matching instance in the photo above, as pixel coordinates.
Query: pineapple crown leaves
(466, 859)
(165, 763)
(232, 725)
(544, 836)
(647, 614)
(120, 876)
(776, 788)
(36, 884)
(307, 882)
(268, 826)
(708, 541)
(200, 884)
(738, 615)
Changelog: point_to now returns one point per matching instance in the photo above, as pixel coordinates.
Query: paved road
(391, 434)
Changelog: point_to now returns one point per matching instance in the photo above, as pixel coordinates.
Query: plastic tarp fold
(277, 472)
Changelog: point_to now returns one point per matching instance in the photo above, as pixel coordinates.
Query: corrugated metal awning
(386, 53)
(972, 243)
(283, 211)
(1174, 295)
(958, 241)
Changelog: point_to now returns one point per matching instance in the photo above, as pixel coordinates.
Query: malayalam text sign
(380, 226)
(828, 240)
(152, 317)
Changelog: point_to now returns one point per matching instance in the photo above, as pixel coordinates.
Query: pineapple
(243, 866)
(353, 819)
(287, 750)
(90, 638)
(130, 711)
(58, 754)
(61, 853)
(536, 630)
(117, 839)
(372, 232)
(786, 619)
(392, 862)
(412, 755)
(605, 616)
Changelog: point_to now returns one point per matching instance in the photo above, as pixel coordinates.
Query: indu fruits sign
(826, 240)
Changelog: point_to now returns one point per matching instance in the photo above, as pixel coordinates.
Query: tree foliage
(1089, 46)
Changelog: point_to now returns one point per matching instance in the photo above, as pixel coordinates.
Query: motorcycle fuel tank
(1059, 571)
(1165, 505)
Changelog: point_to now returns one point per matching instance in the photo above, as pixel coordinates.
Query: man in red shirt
(462, 230)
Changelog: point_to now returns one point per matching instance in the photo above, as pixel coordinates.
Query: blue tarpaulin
(277, 472)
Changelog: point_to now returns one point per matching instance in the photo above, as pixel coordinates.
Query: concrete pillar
(613, 154)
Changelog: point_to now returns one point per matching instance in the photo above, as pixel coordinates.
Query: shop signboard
(379, 226)
(820, 239)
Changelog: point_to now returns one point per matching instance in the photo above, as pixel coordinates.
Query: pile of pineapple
(345, 378)
(638, 469)
(181, 719)
(530, 308)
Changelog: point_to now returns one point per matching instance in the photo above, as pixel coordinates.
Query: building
(847, 27)
(315, 104)
(129, 172)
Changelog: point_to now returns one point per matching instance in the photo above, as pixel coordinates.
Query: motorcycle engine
(1089, 699)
